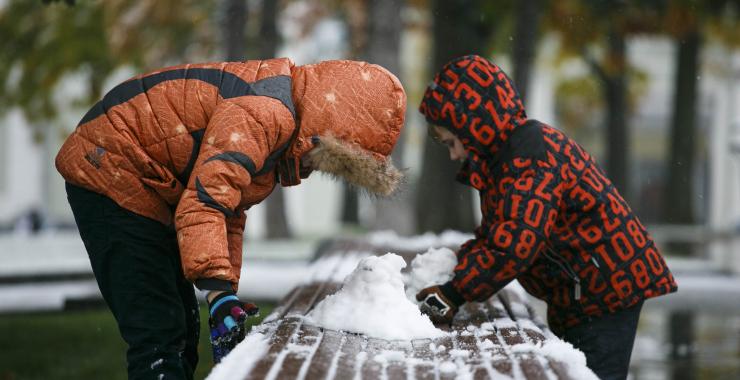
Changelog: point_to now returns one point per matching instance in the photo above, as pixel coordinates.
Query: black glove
(227, 321)
(437, 302)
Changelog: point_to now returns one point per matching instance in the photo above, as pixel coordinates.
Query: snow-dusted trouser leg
(607, 342)
(136, 263)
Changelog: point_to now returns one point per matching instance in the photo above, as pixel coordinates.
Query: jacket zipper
(555, 258)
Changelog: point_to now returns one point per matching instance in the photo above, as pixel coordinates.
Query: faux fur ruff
(356, 166)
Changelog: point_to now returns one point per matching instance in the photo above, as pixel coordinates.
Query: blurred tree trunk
(525, 43)
(618, 137)
(678, 197)
(678, 207)
(441, 202)
(613, 76)
(234, 22)
(681, 332)
(384, 43)
(356, 17)
(269, 39)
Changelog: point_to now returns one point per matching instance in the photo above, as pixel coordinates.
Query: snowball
(372, 302)
(435, 267)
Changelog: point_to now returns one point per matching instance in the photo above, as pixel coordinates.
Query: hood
(350, 109)
(476, 101)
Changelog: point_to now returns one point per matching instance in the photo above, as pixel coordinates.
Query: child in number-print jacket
(551, 217)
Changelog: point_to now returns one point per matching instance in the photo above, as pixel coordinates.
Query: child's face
(455, 146)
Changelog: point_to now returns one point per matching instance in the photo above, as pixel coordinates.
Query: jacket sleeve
(209, 219)
(524, 219)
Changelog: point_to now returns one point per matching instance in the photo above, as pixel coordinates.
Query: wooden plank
(511, 334)
(535, 336)
(517, 306)
(283, 305)
(471, 313)
(348, 359)
(466, 341)
(560, 369)
(299, 352)
(399, 369)
(496, 308)
(531, 367)
(504, 299)
(305, 299)
(442, 356)
(278, 341)
(371, 368)
(327, 355)
(329, 289)
(496, 359)
(424, 368)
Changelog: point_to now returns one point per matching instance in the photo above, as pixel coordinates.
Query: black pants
(607, 342)
(136, 263)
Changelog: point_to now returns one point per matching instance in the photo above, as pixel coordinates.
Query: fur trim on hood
(355, 165)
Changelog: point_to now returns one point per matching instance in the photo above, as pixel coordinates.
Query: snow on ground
(434, 267)
(31, 297)
(242, 359)
(560, 351)
(372, 301)
(391, 240)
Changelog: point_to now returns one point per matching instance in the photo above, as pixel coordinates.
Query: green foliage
(40, 44)
(724, 22)
(579, 101)
(75, 345)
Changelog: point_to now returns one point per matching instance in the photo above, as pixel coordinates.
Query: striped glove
(227, 321)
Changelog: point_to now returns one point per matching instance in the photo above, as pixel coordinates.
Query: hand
(227, 318)
(436, 305)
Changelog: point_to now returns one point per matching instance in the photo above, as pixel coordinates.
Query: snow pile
(389, 239)
(372, 302)
(239, 362)
(434, 267)
(562, 352)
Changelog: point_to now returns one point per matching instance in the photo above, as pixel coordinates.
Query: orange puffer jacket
(199, 144)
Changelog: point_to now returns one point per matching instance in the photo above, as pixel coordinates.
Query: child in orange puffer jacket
(161, 171)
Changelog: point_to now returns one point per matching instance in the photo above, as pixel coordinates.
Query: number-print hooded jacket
(199, 144)
(551, 217)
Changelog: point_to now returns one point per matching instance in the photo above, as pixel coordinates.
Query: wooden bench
(487, 340)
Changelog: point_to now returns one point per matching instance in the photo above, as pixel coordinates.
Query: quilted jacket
(551, 217)
(196, 145)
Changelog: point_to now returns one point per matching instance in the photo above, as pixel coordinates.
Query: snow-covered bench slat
(498, 338)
